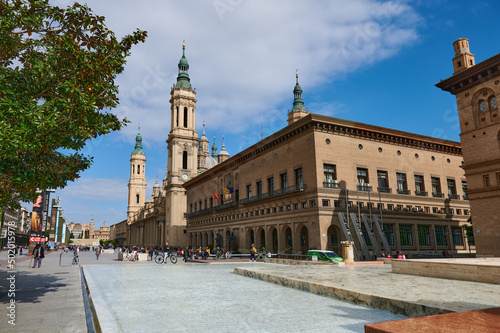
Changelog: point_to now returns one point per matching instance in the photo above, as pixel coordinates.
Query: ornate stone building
(316, 182)
(477, 90)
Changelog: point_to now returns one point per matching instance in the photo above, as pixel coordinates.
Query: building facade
(477, 90)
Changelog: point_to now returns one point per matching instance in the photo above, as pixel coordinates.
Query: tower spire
(298, 103)
(183, 80)
(138, 143)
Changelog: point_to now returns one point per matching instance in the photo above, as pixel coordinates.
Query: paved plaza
(194, 297)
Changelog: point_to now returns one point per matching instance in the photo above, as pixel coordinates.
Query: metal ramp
(381, 233)
(359, 234)
(347, 234)
(369, 231)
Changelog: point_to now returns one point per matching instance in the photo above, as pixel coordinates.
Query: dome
(210, 162)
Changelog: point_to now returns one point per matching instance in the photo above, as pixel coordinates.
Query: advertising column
(39, 217)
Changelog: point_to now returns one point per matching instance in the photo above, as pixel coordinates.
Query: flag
(216, 196)
(231, 189)
(225, 191)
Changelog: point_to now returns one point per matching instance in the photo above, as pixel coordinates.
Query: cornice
(472, 76)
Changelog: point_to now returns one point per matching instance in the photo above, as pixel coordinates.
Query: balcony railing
(384, 189)
(364, 187)
(283, 191)
(421, 193)
(403, 191)
(331, 185)
(438, 195)
(454, 196)
(466, 196)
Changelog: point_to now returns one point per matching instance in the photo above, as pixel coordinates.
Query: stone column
(347, 251)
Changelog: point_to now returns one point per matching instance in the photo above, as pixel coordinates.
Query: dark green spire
(298, 103)
(183, 77)
(138, 143)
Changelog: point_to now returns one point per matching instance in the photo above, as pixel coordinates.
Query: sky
(369, 61)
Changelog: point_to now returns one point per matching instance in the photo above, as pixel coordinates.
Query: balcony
(384, 189)
(404, 191)
(364, 187)
(454, 196)
(421, 193)
(332, 184)
(438, 195)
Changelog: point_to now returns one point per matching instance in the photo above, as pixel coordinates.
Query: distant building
(477, 90)
(88, 231)
(118, 231)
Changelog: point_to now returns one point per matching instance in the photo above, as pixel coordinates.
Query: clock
(184, 177)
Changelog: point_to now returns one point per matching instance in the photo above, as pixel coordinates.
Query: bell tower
(182, 146)
(137, 181)
(463, 58)
(298, 110)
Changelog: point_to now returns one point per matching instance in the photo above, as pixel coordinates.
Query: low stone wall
(484, 270)
(142, 256)
(300, 262)
(108, 251)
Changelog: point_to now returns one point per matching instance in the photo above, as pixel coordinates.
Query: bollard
(60, 255)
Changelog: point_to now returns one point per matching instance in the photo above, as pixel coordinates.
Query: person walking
(38, 255)
(97, 252)
(253, 251)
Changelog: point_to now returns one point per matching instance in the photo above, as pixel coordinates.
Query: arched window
(482, 106)
(137, 198)
(138, 169)
(177, 118)
(185, 117)
(493, 103)
(133, 168)
(184, 159)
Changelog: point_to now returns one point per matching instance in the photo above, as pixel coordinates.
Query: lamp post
(58, 208)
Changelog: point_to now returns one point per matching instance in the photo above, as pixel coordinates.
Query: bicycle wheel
(173, 259)
(159, 259)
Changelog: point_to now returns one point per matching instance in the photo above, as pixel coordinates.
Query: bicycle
(162, 258)
(261, 256)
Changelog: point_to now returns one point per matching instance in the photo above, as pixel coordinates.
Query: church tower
(182, 146)
(298, 110)
(137, 181)
(223, 154)
(463, 58)
(203, 151)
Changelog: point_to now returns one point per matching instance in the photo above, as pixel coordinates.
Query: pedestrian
(253, 251)
(151, 252)
(21, 250)
(38, 255)
(97, 252)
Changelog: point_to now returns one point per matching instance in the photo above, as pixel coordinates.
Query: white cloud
(100, 189)
(243, 54)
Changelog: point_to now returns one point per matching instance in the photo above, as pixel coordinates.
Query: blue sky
(363, 60)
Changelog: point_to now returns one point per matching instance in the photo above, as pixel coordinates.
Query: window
(482, 106)
(137, 198)
(419, 185)
(326, 203)
(389, 233)
(284, 181)
(405, 235)
(402, 185)
(336, 203)
(452, 189)
(363, 176)
(206, 204)
(299, 177)
(440, 235)
(486, 180)
(138, 169)
(436, 187)
(281, 208)
(424, 238)
(304, 205)
(270, 185)
(275, 210)
(329, 173)
(390, 207)
(177, 118)
(296, 206)
(184, 160)
(133, 168)
(288, 207)
(259, 188)
(313, 203)
(195, 207)
(185, 117)
(464, 189)
(249, 191)
(456, 235)
(383, 182)
(269, 210)
(237, 195)
(211, 202)
(493, 103)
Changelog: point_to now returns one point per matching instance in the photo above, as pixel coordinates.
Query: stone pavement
(377, 287)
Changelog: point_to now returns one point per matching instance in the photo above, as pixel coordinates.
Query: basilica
(317, 182)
